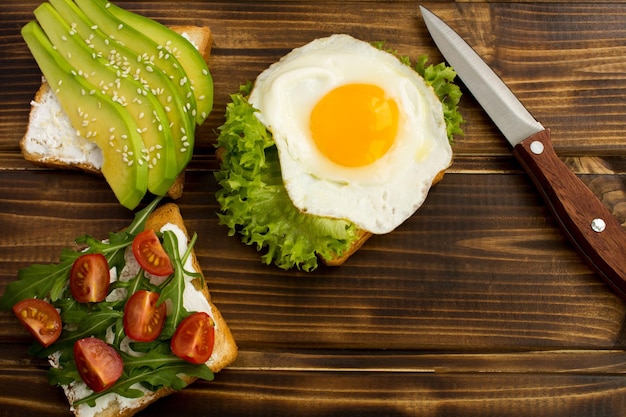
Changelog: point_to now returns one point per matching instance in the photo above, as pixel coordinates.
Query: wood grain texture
(476, 306)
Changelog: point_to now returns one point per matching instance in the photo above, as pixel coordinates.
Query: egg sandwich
(335, 142)
(121, 97)
(124, 321)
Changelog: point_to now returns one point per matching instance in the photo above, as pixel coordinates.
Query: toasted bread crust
(199, 36)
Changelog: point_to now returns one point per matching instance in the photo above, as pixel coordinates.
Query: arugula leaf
(93, 324)
(37, 281)
(154, 370)
(174, 288)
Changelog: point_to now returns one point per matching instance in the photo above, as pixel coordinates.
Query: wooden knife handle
(591, 228)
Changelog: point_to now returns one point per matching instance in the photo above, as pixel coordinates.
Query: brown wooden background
(475, 306)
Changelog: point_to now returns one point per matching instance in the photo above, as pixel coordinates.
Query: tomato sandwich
(126, 320)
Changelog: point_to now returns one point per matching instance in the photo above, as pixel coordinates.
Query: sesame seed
(94, 27)
(205, 72)
(63, 37)
(204, 115)
(202, 97)
(120, 26)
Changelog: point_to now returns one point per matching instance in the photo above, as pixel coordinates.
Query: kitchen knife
(589, 225)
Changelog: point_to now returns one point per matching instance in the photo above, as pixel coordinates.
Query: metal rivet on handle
(598, 225)
(536, 147)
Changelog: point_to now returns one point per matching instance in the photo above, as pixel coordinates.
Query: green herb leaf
(154, 370)
(173, 289)
(37, 281)
(255, 203)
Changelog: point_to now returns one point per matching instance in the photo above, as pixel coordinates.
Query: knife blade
(591, 228)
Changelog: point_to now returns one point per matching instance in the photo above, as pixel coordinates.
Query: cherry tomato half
(194, 338)
(40, 318)
(98, 363)
(143, 319)
(150, 254)
(90, 278)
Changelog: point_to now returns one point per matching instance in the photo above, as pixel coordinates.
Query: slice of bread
(224, 352)
(51, 141)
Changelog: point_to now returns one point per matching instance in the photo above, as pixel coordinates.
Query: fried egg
(360, 135)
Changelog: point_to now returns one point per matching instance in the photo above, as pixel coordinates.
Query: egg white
(377, 197)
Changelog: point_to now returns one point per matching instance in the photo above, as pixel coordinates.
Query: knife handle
(589, 225)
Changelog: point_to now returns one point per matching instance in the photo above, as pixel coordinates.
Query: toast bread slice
(51, 141)
(224, 352)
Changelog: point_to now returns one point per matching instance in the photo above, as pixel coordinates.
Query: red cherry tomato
(150, 254)
(40, 318)
(98, 363)
(90, 278)
(143, 319)
(194, 338)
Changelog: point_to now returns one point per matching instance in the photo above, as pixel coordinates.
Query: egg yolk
(354, 124)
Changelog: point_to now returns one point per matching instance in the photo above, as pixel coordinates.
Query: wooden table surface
(476, 306)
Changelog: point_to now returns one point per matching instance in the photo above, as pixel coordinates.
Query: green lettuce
(254, 202)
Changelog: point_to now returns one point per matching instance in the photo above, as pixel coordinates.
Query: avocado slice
(129, 62)
(149, 115)
(93, 113)
(146, 48)
(189, 57)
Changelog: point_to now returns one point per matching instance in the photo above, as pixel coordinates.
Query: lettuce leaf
(254, 202)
